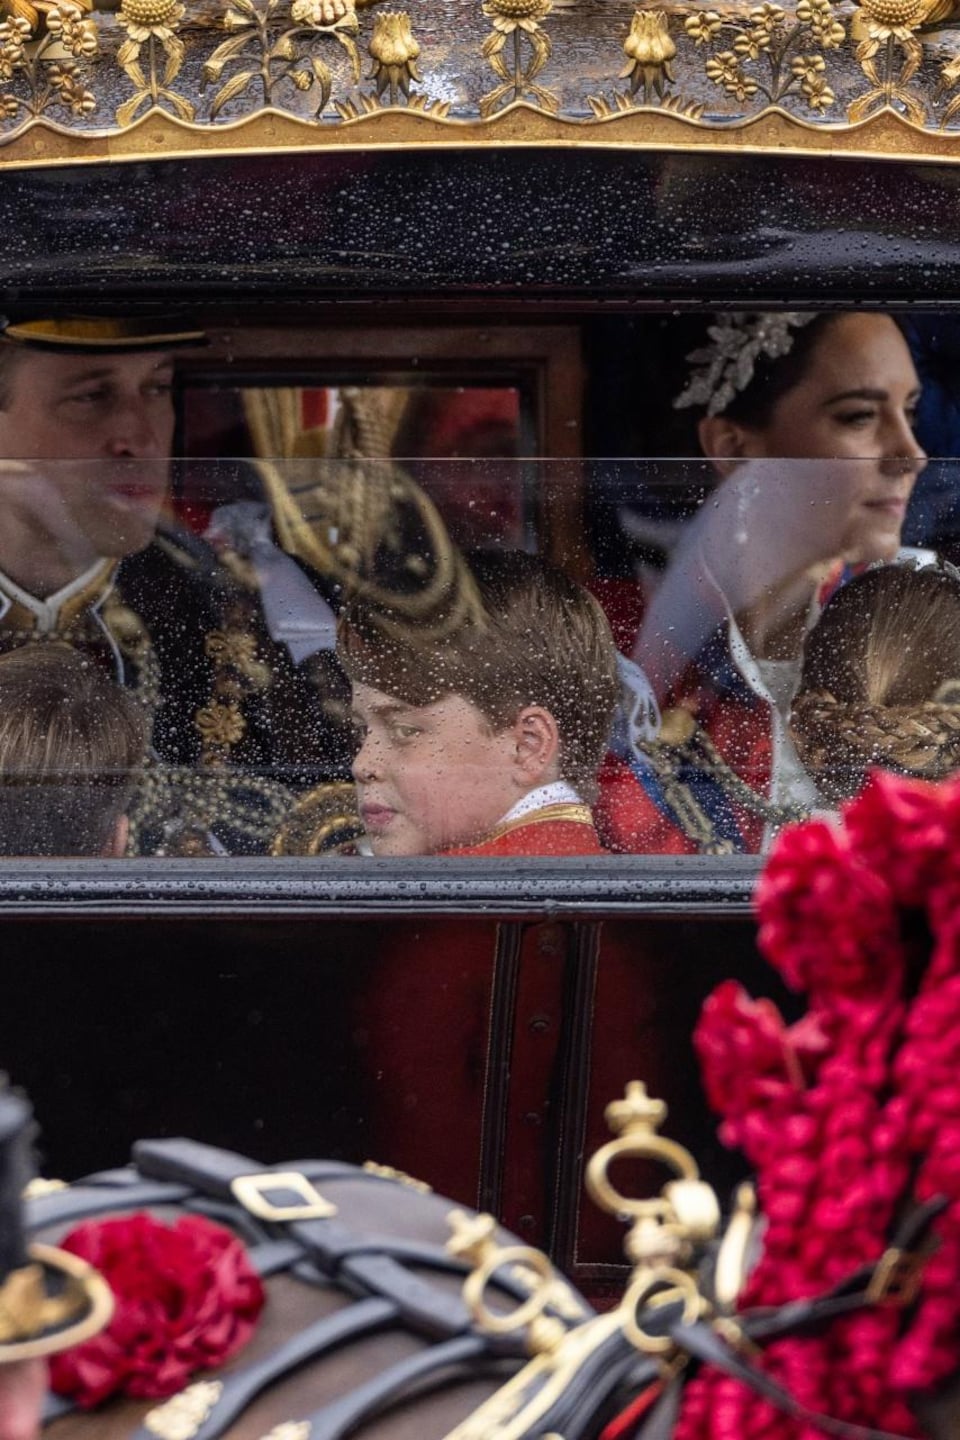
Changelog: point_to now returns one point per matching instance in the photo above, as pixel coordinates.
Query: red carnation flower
(904, 830)
(187, 1298)
(755, 1068)
(827, 922)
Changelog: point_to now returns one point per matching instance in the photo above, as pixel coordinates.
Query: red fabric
(623, 603)
(458, 418)
(629, 822)
(544, 837)
(314, 409)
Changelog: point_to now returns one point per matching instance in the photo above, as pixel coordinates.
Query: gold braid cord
(357, 518)
(351, 523)
(684, 747)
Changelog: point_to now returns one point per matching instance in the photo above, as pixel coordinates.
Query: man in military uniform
(89, 554)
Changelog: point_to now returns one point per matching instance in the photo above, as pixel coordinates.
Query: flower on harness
(187, 1298)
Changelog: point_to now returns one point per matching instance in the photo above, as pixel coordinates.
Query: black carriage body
(231, 1000)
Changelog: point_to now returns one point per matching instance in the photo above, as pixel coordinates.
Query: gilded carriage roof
(182, 77)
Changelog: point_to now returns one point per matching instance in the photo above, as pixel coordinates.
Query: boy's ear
(538, 746)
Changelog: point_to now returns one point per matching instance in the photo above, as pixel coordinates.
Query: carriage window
(358, 657)
(383, 629)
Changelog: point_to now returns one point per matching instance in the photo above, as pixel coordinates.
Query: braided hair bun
(881, 680)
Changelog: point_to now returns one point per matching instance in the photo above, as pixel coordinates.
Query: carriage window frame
(546, 360)
(628, 256)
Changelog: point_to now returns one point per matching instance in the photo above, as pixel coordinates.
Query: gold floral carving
(770, 53)
(394, 52)
(275, 54)
(890, 56)
(284, 74)
(152, 25)
(516, 31)
(650, 53)
(949, 79)
(44, 74)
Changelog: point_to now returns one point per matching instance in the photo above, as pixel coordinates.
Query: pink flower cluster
(853, 1112)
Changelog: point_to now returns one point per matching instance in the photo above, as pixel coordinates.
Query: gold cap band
(78, 333)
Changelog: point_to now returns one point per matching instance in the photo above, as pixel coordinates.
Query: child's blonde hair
(881, 680)
(542, 640)
(71, 742)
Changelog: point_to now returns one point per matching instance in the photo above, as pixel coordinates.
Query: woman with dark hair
(808, 422)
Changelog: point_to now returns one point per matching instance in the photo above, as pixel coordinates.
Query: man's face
(105, 424)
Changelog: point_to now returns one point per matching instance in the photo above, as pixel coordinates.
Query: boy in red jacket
(486, 741)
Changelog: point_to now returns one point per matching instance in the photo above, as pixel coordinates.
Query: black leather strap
(375, 1264)
(86, 1201)
(342, 1416)
(199, 1167)
(240, 1387)
(390, 1276)
(594, 1386)
(661, 1423)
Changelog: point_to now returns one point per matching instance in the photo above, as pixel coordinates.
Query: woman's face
(855, 405)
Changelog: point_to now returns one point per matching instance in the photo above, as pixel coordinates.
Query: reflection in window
(721, 639)
(459, 424)
(310, 631)
(304, 639)
(488, 740)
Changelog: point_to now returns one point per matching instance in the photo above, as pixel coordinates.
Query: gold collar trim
(575, 814)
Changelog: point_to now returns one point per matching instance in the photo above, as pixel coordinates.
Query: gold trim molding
(167, 80)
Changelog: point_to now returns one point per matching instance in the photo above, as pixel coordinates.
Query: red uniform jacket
(564, 829)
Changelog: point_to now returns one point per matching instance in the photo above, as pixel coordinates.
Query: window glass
(344, 658)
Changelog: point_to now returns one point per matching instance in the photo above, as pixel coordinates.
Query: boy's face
(430, 777)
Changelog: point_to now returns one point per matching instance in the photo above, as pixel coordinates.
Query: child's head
(70, 743)
(457, 731)
(881, 681)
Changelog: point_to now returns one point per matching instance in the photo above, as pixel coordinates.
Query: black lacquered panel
(529, 225)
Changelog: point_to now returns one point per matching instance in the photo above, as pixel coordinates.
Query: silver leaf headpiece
(725, 366)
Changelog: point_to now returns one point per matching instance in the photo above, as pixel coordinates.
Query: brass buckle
(896, 1278)
(252, 1192)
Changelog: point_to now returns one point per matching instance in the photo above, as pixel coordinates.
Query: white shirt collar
(47, 611)
(557, 793)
